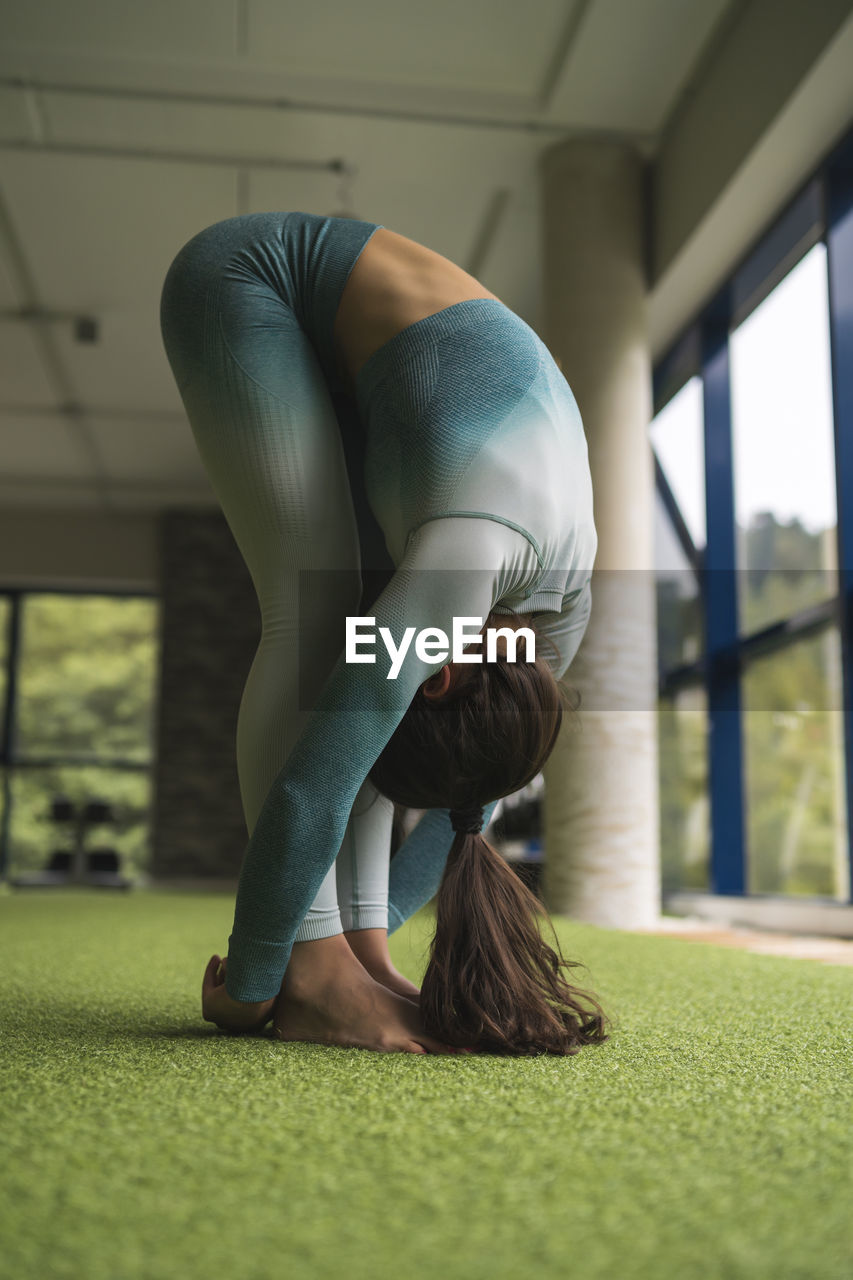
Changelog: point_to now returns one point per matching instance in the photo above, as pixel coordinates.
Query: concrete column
(601, 792)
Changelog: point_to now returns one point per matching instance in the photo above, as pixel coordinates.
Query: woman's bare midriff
(395, 283)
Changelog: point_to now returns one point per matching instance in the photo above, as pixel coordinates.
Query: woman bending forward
(388, 441)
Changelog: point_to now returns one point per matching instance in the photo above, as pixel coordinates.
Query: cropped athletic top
(476, 470)
(468, 417)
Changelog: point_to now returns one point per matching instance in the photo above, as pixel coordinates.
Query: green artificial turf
(710, 1137)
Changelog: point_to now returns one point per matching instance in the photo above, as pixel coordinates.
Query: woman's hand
(229, 1014)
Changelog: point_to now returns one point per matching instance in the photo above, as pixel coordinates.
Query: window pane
(794, 765)
(34, 837)
(87, 677)
(5, 613)
(677, 435)
(679, 613)
(685, 832)
(4, 808)
(783, 448)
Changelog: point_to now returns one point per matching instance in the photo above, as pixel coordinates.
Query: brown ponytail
(492, 983)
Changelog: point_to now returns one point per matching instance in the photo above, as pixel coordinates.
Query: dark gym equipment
(91, 867)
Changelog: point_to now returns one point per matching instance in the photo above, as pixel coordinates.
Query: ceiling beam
(489, 227)
(562, 54)
(806, 127)
(526, 121)
(167, 156)
(767, 51)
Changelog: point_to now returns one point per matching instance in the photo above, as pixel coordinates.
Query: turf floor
(710, 1137)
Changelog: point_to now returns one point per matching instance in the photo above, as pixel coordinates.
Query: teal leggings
(268, 432)
(247, 312)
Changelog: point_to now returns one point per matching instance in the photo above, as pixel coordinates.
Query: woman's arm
(453, 568)
(417, 866)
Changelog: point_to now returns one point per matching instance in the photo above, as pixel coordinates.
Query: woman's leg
(286, 463)
(267, 434)
(362, 867)
(363, 862)
(268, 437)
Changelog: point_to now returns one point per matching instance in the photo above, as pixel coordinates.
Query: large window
(79, 696)
(793, 757)
(5, 639)
(684, 819)
(677, 438)
(754, 555)
(782, 431)
(676, 434)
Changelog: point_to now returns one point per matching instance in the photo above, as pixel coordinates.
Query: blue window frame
(821, 211)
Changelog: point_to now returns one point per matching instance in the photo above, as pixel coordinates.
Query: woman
(369, 414)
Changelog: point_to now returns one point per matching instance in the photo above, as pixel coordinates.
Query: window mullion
(839, 244)
(725, 747)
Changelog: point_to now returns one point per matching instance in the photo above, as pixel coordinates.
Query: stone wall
(211, 627)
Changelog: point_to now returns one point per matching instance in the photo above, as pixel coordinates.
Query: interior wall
(762, 57)
(56, 547)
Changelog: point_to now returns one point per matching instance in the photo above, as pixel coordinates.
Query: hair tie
(467, 821)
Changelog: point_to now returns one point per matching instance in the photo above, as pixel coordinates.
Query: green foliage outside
(782, 568)
(683, 769)
(793, 743)
(5, 612)
(86, 692)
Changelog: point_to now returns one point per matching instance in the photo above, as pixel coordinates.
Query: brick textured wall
(211, 629)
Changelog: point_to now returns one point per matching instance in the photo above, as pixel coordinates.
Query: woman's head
(492, 982)
(484, 732)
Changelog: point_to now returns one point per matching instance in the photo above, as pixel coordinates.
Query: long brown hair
(492, 983)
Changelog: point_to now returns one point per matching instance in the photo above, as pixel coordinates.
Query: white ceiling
(127, 127)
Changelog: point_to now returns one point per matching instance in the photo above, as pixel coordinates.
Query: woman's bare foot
(328, 997)
(371, 948)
